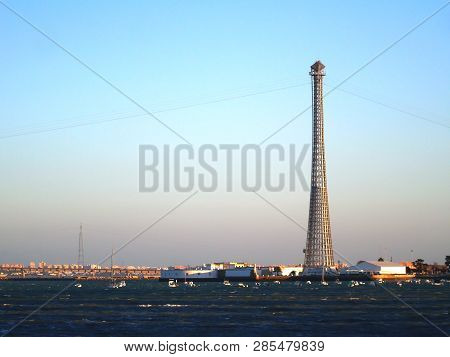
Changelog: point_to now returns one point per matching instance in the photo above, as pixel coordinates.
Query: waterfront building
(241, 273)
(376, 267)
(42, 265)
(184, 274)
(291, 270)
(228, 265)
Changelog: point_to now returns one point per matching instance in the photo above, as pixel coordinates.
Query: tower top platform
(317, 68)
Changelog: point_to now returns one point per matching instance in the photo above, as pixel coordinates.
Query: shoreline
(362, 277)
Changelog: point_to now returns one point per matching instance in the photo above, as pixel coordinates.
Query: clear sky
(388, 172)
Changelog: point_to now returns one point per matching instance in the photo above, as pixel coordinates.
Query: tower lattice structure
(319, 247)
(80, 260)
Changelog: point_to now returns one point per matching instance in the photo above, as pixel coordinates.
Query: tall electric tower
(80, 260)
(319, 248)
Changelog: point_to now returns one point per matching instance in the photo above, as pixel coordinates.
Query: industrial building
(189, 275)
(376, 268)
(230, 271)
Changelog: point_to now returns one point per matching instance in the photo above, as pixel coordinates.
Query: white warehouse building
(376, 267)
(178, 274)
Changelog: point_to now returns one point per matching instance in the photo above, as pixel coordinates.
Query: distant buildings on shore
(212, 271)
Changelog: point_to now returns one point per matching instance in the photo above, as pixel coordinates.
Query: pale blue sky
(388, 172)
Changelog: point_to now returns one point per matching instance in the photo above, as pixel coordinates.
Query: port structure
(319, 247)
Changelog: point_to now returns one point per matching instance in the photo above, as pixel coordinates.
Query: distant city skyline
(67, 158)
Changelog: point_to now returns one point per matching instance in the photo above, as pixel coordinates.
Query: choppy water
(148, 308)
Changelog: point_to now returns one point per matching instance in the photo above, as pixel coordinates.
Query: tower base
(326, 271)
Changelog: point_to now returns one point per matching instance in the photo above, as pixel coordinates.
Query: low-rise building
(227, 265)
(291, 270)
(181, 274)
(245, 273)
(377, 267)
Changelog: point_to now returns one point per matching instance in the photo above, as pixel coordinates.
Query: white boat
(308, 282)
(226, 282)
(78, 285)
(242, 285)
(117, 284)
(113, 283)
(276, 282)
(323, 282)
(173, 284)
(257, 284)
(190, 284)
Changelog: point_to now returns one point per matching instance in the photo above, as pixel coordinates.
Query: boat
(113, 283)
(276, 282)
(257, 284)
(190, 284)
(338, 282)
(78, 285)
(323, 282)
(173, 284)
(242, 285)
(226, 282)
(308, 282)
(117, 284)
